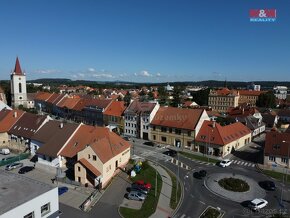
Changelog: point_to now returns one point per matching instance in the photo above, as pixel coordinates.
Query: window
(94, 157)
(170, 130)
(154, 137)
(189, 133)
(271, 158)
(79, 169)
(178, 131)
(154, 128)
(89, 156)
(188, 143)
(284, 160)
(143, 126)
(45, 209)
(163, 129)
(30, 215)
(276, 147)
(20, 87)
(163, 139)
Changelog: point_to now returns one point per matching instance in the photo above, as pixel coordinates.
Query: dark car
(200, 174)
(268, 185)
(149, 143)
(171, 153)
(126, 138)
(62, 190)
(25, 169)
(140, 188)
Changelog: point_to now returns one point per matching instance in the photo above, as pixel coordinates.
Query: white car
(225, 163)
(258, 203)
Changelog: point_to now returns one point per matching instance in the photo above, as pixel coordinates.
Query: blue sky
(145, 40)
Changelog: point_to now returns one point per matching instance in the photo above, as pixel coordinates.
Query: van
(5, 151)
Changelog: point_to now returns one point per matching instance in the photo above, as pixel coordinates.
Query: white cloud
(46, 71)
(143, 73)
(103, 75)
(158, 74)
(91, 69)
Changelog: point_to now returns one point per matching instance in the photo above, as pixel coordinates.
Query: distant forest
(123, 84)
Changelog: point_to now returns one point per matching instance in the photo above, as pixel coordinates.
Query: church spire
(17, 69)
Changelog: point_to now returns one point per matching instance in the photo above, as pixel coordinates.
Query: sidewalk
(163, 207)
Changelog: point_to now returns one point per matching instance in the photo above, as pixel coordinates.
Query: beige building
(220, 100)
(177, 126)
(217, 140)
(249, 97)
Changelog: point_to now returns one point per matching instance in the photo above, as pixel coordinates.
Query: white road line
(242, 163)
(238, 162)
(183, 215)
(246, 164)
(181, 164)
(201, 202)
(235, 161)
(253, 165)
(207, 164)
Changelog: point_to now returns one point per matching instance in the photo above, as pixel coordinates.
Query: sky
(145, 40)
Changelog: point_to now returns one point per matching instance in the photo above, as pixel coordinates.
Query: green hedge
(15, 159)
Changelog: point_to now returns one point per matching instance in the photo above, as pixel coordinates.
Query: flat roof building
(27, 198)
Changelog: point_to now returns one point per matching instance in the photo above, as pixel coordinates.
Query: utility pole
(177, 177)
(156, 176)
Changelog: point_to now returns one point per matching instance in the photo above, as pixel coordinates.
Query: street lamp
(287, 158)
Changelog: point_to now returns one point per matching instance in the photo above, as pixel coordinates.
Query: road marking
(253, 165)
(181, 164)
(183, 215)
(238, 162)
(207, 164)
(246, 164)
(235, 161)
(202, 202)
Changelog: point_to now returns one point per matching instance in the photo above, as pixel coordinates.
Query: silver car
(13, 166)
(137, 196)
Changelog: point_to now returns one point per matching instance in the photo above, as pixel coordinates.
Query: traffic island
(254, 191)
(211, 212)
(234, 184)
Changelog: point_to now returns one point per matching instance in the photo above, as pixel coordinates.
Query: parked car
(149, 143)
(25, 169)
(13, 166)
(137, 196)
(225, 163)
(139, 188)
(171, 153)
(203, 173)
(5, 151)
(126, 138)
(62, 190)
(258, 203)
(143, 183)
(268, 185)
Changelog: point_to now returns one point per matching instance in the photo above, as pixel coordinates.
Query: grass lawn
(197, 157)
(149, 206)
(234, 184)
(173, 201)
(276, 175)
(210, 213)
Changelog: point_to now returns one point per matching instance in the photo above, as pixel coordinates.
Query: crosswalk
(243, 163)
(179, 163)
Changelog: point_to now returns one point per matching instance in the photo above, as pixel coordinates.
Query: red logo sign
(263, 13)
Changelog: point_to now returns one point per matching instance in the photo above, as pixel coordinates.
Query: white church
(18, 88)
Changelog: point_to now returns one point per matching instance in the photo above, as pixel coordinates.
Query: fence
(87, 203)
(14, 159)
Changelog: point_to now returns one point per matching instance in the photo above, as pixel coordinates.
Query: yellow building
(177, 126)
(220, 100)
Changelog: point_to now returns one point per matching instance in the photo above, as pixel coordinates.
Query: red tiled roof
(140, 107)
(43, 96)
(55, 98)
(87, 102)
(116, 108)
(68, 102)
(177, 117)
(277, 138)
(17, 69)
(89, 166)
(212, 132)
(242, 111)
(8, 118)
(105, 143)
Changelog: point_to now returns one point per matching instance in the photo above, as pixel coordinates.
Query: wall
(35, 205)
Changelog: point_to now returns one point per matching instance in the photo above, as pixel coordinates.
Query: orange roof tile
(116, 108)
(177, 117)
(212, 132)
(68, 102)
(105, 143)
(89, 166)
(8, 118)
(277, 138)
(251, 92)
(43, 96)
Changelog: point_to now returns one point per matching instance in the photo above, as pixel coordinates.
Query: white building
(280, 92)
(18, 86)
(25, 197)
(138, 116)
(254, 87)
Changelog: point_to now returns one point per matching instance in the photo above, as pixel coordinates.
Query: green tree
(176, 97)
(127, 98)
(201, 97)
(267, 100)
(150, 96)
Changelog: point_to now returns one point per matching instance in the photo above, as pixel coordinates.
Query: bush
(233, 184)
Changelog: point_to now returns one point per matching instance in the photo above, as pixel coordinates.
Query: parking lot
(74, 197)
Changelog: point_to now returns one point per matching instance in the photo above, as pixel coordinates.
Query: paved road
(197, 197)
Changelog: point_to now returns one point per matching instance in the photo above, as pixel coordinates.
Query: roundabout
(238, 188)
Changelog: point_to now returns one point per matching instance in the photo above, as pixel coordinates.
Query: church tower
(18, 86)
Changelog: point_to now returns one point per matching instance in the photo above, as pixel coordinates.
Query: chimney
(61, 125)
(15, 114)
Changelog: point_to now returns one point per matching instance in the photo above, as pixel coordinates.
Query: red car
(143, 184)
